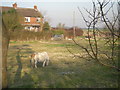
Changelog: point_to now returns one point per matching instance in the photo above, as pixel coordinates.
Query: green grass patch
(13, 41)
(59, 45)
(62, 72)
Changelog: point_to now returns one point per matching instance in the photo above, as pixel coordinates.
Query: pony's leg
(35, 64)
(32, 63)
(44, 63)
(47, 62)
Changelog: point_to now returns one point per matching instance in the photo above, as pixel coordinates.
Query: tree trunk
(5, 43)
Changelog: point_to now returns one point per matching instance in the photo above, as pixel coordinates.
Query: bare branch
(109, 66)
(88, 12)
(105, 4)
(83, 48)
(76, 55)
(82, 15)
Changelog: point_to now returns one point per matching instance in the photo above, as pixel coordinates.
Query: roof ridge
(24, 11)
(6, 6)
(17, 7)
(24, 8)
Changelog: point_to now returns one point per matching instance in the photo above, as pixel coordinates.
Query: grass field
(62, 72)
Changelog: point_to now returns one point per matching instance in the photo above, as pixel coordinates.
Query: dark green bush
(25, 35)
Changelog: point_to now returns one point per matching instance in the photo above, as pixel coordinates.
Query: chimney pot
(35, 7)
(14, 5)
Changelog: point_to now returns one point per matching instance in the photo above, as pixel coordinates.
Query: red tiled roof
(24, 11)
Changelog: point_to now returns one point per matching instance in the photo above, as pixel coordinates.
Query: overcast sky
(57, 11)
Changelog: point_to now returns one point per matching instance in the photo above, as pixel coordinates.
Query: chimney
(35, 7)
(15, 6)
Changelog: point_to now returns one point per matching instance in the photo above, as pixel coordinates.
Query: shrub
(25, 35)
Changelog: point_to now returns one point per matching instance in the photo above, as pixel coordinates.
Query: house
(31, 18)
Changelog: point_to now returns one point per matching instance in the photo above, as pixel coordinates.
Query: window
(27, 19)
(37, 19)
(28, 28)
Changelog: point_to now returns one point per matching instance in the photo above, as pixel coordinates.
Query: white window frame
(27, 19)
(38, 19)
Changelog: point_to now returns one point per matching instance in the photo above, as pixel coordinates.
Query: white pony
(39, 57)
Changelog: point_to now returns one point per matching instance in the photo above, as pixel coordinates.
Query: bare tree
(95, 50)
